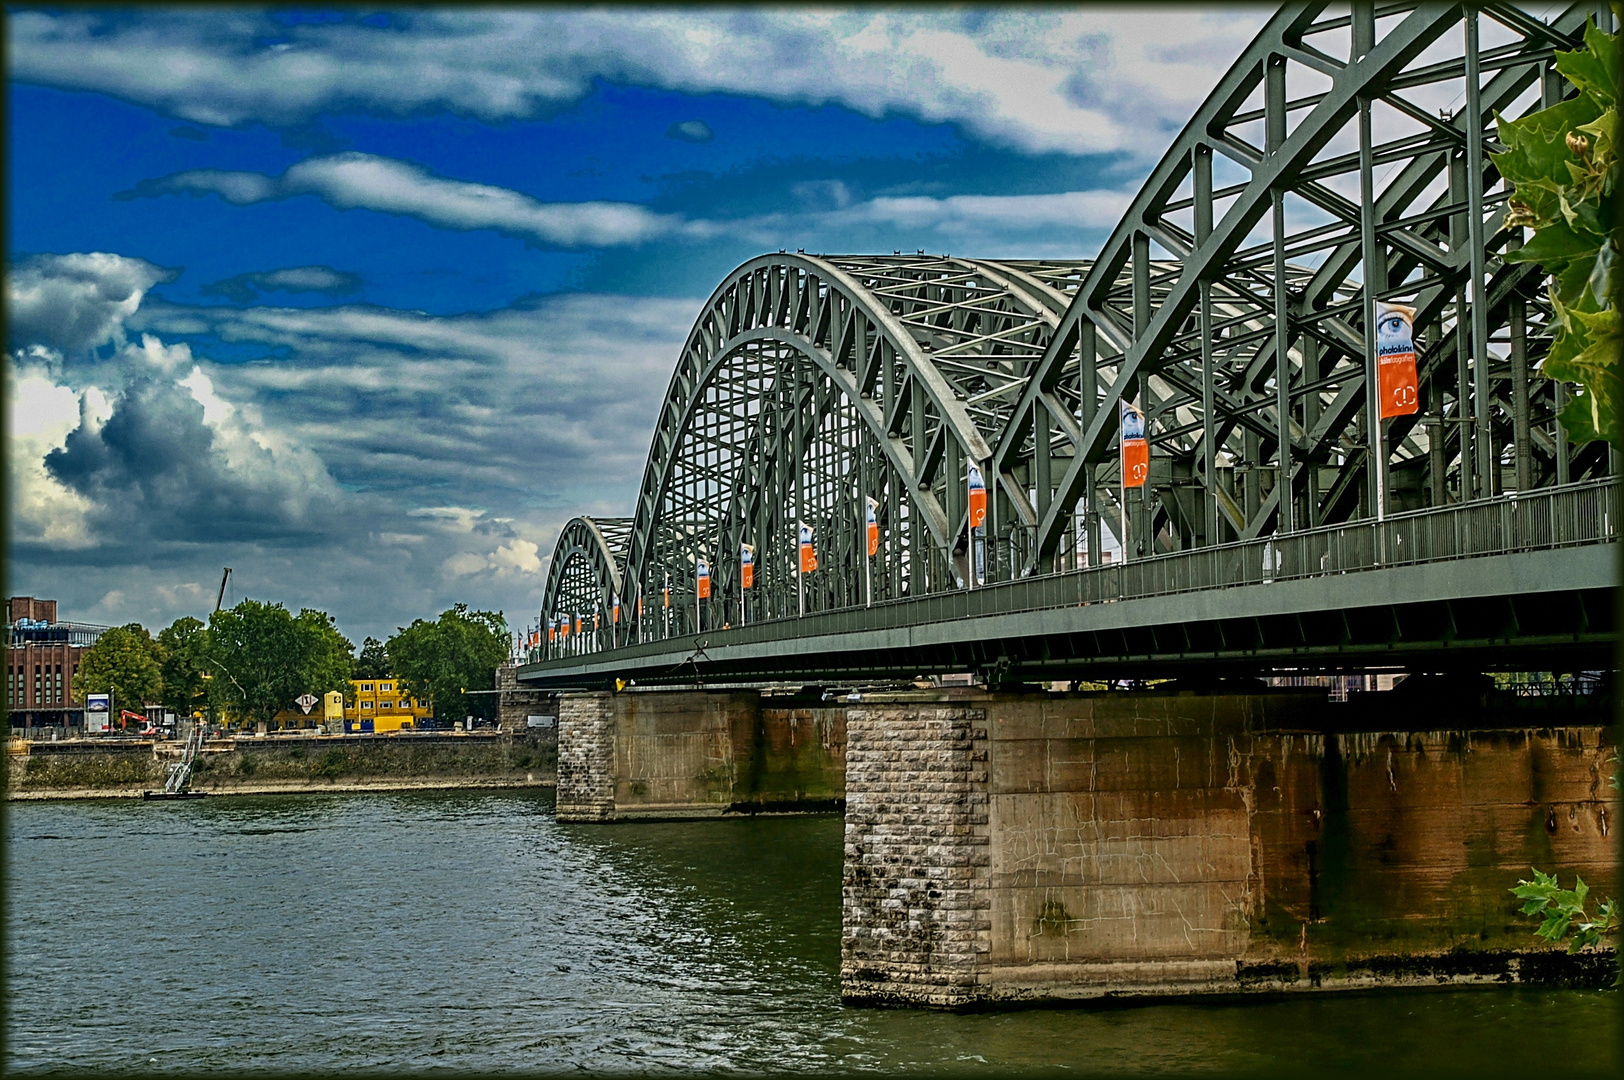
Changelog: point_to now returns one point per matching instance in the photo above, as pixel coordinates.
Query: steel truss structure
(1344, 148)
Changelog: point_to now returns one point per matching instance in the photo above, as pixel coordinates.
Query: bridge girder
(1227, 279)
(1229, 302)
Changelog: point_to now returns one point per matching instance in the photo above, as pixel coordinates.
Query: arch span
(1230, 303)
(585, 587)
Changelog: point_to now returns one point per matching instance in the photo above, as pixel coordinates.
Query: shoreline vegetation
(285, 764)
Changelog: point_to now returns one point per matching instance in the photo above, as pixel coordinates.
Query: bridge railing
(1569, 516)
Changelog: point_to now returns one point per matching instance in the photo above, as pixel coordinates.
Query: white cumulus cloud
(1083, 80)
(351, 181)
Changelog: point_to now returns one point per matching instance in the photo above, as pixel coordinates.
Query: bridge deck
(1523, 579)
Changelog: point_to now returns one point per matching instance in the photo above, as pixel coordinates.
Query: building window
(385, 705)
(37, 698)
(366, 704)
(58, 684)
(366, 688)
(386, 687)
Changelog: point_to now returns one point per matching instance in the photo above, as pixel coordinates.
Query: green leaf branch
(1563, 912)
(1563, 167)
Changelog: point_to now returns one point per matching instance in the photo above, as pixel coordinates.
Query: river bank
(284, 764)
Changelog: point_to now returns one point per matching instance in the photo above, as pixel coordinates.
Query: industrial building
(42, 656)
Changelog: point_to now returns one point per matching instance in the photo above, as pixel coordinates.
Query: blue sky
(367, 304)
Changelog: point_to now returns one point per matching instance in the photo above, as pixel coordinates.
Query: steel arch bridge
(1342, 149)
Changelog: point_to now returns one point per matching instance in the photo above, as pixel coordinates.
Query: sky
(367, 304)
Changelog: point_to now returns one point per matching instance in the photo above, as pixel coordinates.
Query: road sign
(306, 702)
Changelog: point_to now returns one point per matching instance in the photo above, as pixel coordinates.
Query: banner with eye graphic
(1135, 447)
(1395, 359)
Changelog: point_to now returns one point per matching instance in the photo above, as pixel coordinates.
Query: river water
(472, 931)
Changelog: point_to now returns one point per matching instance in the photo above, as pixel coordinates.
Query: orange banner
(871, 524)
(978, 496)
(704, 580)
(1395, 360)
(809, 555)
(747, 566)
(1135, 448)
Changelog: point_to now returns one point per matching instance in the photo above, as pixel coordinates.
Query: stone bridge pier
(1010, 847)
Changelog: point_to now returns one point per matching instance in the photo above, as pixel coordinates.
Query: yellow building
(378, 705)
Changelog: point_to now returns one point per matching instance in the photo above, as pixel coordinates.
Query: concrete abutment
(1028, 847)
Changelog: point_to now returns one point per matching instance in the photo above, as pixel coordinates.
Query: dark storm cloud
(155, 469)
(71, 303)
(246, 288)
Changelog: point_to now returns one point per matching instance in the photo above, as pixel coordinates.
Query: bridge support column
(914, 921)
(586, 757)
(1043, 847)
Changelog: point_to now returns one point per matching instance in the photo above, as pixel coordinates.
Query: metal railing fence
(1548, 518)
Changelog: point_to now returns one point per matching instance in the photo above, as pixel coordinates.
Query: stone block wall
(586, 756)
(914, 923)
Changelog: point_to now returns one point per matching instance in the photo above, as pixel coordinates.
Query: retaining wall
(96, 768)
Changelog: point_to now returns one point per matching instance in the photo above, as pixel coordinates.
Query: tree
(263, 657)
(1563, 164)
(328, 657)
(124, 662)
(458, 652)
(374, 661)
(185, 665)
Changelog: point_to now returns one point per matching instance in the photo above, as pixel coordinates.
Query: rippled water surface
(472, 931)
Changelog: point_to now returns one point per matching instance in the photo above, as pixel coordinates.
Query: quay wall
(96, 768)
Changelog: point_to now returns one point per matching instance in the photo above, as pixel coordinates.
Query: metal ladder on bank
(180, 772)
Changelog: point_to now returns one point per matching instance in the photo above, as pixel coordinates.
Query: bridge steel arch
(810, 384)
(1229, 303)
(584, 588)
(1354, 150)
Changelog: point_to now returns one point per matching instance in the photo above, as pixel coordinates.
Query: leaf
(1572, 284)
(1554, 246)
(1600, 282)
(1593, 69)
(1603, 132)
(1537, 144)
(1583, 216)
(1580, 421)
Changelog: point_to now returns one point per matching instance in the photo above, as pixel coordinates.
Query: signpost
(306, 702)
(98, 712)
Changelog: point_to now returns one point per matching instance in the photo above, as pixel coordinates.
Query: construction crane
(218, 600)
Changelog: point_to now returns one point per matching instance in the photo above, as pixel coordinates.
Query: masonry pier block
(1022, 847)
(687, 754)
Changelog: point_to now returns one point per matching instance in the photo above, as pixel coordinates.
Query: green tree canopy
(440, 660)
(124, 662)
(184, 646)
(263, 657)
(373, 662)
